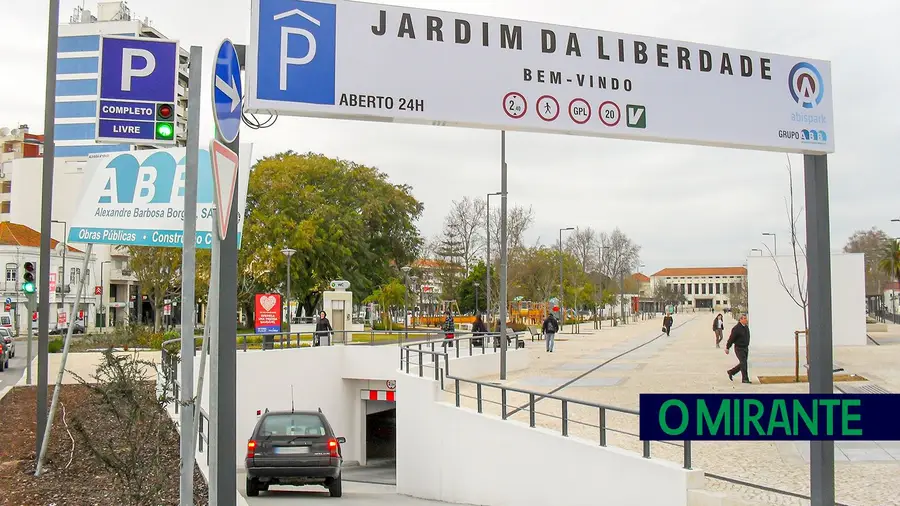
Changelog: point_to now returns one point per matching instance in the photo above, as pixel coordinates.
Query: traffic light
(28, 279)
(165, 122)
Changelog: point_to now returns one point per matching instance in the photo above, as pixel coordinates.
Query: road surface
(355, 494)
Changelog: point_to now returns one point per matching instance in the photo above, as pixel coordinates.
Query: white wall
(774, 316)
(457, 455)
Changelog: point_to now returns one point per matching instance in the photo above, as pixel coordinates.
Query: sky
(684, 205)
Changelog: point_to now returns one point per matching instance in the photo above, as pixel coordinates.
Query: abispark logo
(813, 136)
(806, 85)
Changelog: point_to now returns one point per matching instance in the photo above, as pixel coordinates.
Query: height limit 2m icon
(227, 93)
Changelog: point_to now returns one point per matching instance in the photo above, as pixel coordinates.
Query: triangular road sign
(225, 169)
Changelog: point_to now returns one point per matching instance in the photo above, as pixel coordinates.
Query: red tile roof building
(705, 288)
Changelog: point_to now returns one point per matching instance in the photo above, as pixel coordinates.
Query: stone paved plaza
(867, 473)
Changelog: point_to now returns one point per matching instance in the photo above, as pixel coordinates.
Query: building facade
(17, 143)
(704, 288)
(77, 78)
(20, 244)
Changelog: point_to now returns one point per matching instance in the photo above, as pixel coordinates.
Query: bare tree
(583, 246)
(518, 220)
(464, 225)
(620, 257)
(795, 284)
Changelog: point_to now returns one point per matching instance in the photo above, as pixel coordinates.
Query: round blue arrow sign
(227, 92)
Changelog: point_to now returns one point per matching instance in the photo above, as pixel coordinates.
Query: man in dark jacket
(550, 328)
(667, 323)
(740, 339)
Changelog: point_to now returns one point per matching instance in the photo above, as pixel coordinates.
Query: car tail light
(333, 447)
(251, 449)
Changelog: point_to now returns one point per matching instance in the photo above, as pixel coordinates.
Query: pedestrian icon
(547, 108)
(636, 116)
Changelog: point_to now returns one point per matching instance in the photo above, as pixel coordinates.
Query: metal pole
(46, 209)
(30, 333)
(226, 379)
(290, 317)
(405, 303)
(503, 255)
(189, 410)
(213, 323)
(818, 268)
(487, 276)
(204, 351)
(45, 440)
(562, 313)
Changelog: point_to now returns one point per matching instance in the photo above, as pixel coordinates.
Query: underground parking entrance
(378, 453)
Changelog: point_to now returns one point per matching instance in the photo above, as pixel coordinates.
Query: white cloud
(684, 205)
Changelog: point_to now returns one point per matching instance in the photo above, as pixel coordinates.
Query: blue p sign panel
(138, 79)
(296, 52)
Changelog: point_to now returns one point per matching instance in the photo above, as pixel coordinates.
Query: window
(718, 302)
(6, 187)
(703, 286)
(696, 288)
(718, 288)
(12, 272)
(294, 424)
(74, 275)
(725, 288)
(5, 206)
(725, 302)
(690, 289)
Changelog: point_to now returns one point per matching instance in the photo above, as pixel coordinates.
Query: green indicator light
(28, 287)
(165, 131)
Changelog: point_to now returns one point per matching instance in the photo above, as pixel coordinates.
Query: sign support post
(190, 409)
(227, 111)
(213, 323)
(503, 255)
(46, 209)
(818, 268)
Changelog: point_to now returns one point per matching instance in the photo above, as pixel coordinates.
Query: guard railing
(416, 358)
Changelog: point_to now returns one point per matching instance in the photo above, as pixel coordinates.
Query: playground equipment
(527, 312)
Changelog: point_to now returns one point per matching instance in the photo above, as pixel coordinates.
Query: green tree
(345, 221)
(890, 259)
(872, 243)
(158, 271)
(466, 289)
(388, 296)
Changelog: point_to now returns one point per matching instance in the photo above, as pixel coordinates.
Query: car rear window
(292, 425)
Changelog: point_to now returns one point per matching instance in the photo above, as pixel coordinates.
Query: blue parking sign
(138, 80)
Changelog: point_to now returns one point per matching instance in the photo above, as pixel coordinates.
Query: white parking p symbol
(128, 70)
(286, 60)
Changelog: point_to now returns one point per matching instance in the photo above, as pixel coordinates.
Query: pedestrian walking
(449, 327)
(323, 329)
(740, 339)
(718, 329)
(667, 323)
(550, 328)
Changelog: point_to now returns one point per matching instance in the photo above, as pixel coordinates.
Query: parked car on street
(78, 328)
(293, 448)
(7, 337)
(4, 356)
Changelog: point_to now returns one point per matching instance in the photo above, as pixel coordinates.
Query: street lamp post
(562, 312)
(774, 240)
(487, 276)
(757, 249)
(288, 252)
(476, 284)
(405, 270)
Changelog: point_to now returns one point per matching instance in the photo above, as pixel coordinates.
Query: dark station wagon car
(293, 448)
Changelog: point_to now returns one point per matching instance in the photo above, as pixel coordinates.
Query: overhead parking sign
(138, 80)
(367, 61)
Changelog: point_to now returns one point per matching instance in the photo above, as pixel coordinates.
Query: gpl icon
(580, 111)
(295, 51)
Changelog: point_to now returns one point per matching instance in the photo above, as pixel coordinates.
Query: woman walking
(718, 329)
(479, 329)
(449, 327)
(323, 329)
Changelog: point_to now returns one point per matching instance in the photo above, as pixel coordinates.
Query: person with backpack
(550, 328)
(449, 327)
(718, 329)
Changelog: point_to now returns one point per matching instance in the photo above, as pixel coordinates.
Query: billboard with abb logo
(268, 313)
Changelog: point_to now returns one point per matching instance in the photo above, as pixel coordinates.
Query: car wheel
(252, 487)
(335, 488)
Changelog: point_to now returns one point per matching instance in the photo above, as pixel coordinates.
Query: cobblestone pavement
(688, 361)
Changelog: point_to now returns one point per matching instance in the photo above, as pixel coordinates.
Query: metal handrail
(442, 373)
